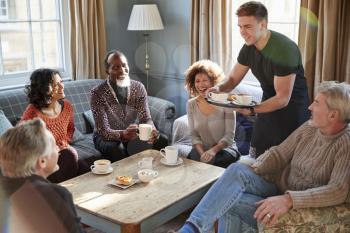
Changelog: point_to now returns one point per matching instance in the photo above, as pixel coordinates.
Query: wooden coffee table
(142, 207)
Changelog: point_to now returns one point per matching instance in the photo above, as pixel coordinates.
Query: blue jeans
(231, 200)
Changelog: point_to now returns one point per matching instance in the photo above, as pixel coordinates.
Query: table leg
(130, 228)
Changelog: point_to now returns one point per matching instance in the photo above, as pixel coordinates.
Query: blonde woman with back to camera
(31, 204)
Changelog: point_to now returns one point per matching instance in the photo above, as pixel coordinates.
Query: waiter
(275, 60)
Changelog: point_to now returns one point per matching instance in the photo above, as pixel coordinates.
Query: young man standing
(275, 60)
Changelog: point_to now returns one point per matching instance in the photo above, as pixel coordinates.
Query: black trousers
(68, 163)
(117, 150)
(222, 158)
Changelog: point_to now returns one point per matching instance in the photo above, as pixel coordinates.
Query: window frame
(20, 79)
(6, 8)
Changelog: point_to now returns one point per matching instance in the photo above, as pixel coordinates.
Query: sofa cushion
(77, 136)
(78, 93)
(163, 114)
(90, 119)
(325, 219)
(86, 147)
(5, 124)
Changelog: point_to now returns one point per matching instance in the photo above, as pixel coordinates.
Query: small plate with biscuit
(123, 182)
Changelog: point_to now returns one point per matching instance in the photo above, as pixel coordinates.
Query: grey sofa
(13, 103)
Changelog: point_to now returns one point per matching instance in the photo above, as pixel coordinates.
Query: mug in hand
(170, 153)
(218, 96)
(146, 162)
(145, 131)
(101, 165)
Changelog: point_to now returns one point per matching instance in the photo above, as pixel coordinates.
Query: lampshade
(145, 18)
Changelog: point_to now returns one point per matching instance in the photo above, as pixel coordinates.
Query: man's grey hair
(338, 97)
(21, 146)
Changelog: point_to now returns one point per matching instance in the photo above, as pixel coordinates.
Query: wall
(169, 48)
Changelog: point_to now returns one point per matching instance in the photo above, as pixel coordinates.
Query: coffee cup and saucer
(170, 156)
(101, 167)
(219, 97)
(243, 99)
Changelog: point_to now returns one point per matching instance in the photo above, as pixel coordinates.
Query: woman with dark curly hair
(212, 128)
(46, 101)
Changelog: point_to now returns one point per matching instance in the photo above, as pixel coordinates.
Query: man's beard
(124, 82)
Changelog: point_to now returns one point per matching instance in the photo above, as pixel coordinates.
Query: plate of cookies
(123, 182)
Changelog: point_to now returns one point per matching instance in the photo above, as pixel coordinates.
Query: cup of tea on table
(101, 165)
(170, 153)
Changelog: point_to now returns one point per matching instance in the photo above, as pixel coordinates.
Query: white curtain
(211, 31)
(88, 39)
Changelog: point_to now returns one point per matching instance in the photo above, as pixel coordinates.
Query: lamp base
(147, 65)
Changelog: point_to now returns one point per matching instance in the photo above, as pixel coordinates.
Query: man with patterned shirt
(118, 104)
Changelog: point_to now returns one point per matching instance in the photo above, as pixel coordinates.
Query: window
(31, 36)
(3, 9)
(283, 17)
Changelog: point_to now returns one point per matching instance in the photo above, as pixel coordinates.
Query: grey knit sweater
(313, 168)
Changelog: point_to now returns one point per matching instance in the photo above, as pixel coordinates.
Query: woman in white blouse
(212, 128)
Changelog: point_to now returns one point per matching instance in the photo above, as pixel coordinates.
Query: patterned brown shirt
(109, 115)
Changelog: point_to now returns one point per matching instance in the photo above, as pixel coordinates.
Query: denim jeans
(231, 200)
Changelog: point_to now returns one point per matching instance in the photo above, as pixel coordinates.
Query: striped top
(313, 168)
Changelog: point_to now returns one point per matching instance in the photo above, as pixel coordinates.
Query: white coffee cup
(170, 153)
(217, 96)
(146, 162)
(244, 99)
(101, 165)
(146, 175)
(145, 131)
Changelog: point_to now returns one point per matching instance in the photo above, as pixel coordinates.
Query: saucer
(179, 161)
(102, 173)
(219, 101)
(251, 104)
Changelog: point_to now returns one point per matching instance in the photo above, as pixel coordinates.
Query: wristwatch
(252, 111)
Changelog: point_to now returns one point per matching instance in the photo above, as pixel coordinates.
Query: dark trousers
(222, 158)
(117, 150)
(68, 163)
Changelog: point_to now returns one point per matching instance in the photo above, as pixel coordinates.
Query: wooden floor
(173, 224)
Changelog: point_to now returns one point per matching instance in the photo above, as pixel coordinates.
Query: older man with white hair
(311, 168)
(29, 202)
